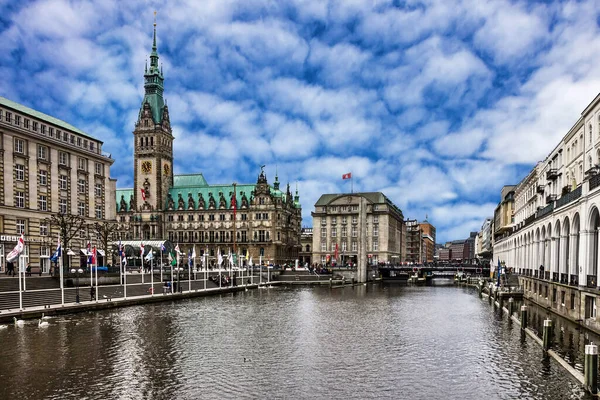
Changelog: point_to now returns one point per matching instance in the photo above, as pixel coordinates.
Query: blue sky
(436, 103)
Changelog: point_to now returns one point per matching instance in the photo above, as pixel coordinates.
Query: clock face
(166, 169)
(147, 167)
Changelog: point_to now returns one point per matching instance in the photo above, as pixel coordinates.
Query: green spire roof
(153, 85)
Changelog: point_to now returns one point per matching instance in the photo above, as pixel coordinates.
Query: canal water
(375, 341)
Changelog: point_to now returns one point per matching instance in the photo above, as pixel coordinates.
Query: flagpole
(60, 264)
(152, 273)
(190, 274)
(96, 260)
(89, 264)
(260, 270)
(124, 276)
(171, 263)
(161, 266)
(20, 290)
(205, 267)
(178, 273)
(142, 261)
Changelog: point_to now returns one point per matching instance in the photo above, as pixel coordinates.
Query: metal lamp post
(78, 272)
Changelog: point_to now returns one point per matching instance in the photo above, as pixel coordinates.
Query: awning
(84, 252)
(70, 252)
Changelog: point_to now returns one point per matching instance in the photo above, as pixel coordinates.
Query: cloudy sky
(436, 103)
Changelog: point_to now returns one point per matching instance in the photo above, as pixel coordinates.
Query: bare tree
(69, 226)
(107, 232)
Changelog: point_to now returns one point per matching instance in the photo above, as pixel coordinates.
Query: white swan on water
(42, 323)
(18, 322)
(45, 317)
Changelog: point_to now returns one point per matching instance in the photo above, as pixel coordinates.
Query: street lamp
(78, 272)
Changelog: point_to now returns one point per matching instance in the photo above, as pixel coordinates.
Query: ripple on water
(367, 342)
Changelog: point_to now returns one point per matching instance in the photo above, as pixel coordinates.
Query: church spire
(153, 83)
(154, 54)
(276, 183)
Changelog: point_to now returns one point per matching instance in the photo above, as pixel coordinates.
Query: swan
(18, 322)
(42, 323)
(45, 317)
(3, 326)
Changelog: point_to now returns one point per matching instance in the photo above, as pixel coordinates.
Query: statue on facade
(131, 203)
(201, 202)
(222, 202)
(191, 204)
(180, 202)
(123, 204)
(244, 200)
(170, 202)
(212, 204)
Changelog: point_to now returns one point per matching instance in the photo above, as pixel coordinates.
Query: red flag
(94, 255)
(143, 194)
(336, 252)
(234, 205)
(347, 176)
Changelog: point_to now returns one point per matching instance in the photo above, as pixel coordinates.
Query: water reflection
(364, 342)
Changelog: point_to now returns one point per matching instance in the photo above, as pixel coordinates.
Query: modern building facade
(554, 242)
(48, 166)
(484, 251)
(428, 234)
(351, 224)
(256, 220)
(414, 242)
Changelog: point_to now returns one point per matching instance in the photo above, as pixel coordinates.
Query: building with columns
(257, 220)
(48, 166)
(554, 240)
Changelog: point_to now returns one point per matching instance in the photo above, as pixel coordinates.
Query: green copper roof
(126, 193)
(153, 85)
(214, 189)
(189, 180)
(373, 197)
(44, 117)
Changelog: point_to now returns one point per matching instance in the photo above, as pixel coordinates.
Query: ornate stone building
(254, 219)
(357, 224)
(48, 166)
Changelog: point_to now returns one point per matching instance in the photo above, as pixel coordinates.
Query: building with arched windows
(256, 220)
(553, 241)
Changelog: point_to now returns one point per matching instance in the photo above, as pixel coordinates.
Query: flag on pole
(16, 252)
(230, 258)
(143, 194)
(234, 204)
(56, 255)
(219, 257)
(122, 253)
(162, 247)
(173, 258)
(177, 249)
(93, 256)
(190, 261)
(194, 252)
(141, 250)
(89, 252)
(149, 256)
(250, 262)
(347, 176)
(336, 252)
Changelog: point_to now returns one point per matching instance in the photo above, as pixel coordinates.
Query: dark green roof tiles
(44, 117)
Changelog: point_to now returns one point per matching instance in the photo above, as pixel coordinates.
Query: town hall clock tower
(153, 149)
